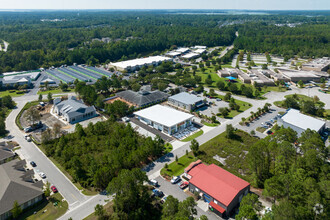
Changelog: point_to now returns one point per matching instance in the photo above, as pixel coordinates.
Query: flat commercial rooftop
(301, 74)
(141, 61)
(186, 98)
(297, 119)
(182, 49)
(190, 55)
(164, 115)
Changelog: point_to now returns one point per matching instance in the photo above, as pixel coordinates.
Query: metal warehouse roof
(297, 119)
(164, 115)
(186, 98)
(217, 182)
(141, 61)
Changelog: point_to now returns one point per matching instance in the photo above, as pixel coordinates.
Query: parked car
(163, 200)
(54, 189)
(269, 132)
(33, 164)
(28, 129)
(33, 127)
(154, 182)
(218, 99)
(175, 179)
(27, 137)
(42, 175)
(158, 193)
(183, 184)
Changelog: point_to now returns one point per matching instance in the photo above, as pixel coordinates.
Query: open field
(232, 152)
(12, 93)
(177, 168)
(55, 91)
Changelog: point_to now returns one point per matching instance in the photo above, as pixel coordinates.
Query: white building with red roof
(218, 187)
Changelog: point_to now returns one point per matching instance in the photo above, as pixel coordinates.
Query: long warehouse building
(132, 65)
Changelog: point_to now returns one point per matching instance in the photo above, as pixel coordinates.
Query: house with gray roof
(6, 152)
(186, 101)
(17, 184)
(142, 98)
(73, 110)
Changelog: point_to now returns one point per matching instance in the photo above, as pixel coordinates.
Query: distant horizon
(155, 9)
(268, 5)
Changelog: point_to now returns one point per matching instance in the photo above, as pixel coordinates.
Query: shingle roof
(217, 182)
(73, 107)
(186, 98)
(142, 98)
(16, 184)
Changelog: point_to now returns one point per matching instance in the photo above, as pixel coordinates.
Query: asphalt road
(81, 206)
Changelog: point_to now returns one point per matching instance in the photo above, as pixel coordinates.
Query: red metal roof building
(221, 189)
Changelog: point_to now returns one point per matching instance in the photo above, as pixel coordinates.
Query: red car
(54, 189)
(183, 185)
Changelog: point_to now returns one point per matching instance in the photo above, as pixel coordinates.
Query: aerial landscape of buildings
(164, 114)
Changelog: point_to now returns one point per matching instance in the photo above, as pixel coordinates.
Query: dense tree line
(293, 172)
(95, 154)
(306, 40)
(44, 44)
(312, 106)
(6, 103)
(133, 200)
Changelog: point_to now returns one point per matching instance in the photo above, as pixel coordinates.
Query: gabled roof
(217, 182)
(142, 98)
(16, 184)
(73, 107)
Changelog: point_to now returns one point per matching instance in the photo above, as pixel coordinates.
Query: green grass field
(193, 136)
(12, 94)
(55, 91)
(177, 168)
(210, 124)
(47, 209)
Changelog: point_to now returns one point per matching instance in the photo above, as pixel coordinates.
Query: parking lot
(174, 190)
(259, 122)
(213, 109)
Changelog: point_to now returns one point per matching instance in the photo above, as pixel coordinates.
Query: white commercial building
(132, 65)
(190, 55)
(300, 122)
(165, 119)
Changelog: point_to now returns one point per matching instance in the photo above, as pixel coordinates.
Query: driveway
(174, 190)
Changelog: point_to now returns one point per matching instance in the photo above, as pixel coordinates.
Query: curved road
(80, 205)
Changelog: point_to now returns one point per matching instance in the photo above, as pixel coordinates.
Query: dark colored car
(158, 193)
(33, 164)
(269, 132)
(54, 189)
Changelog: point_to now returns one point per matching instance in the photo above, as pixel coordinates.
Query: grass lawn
(12, 94)
(327, 111)
(55, 91)
(177, 168)
(193, 136)
(168, 148)
(232, 150)
(261, 129)
(51, 211)
(243, 107)
(210, 124)
(108, 209)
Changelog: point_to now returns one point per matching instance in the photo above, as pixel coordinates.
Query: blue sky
(168, 4)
